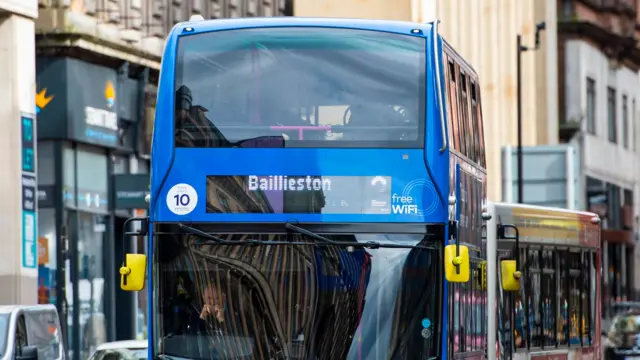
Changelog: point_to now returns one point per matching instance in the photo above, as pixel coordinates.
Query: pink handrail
(301, 128)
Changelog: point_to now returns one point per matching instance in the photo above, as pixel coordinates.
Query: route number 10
(182, 199)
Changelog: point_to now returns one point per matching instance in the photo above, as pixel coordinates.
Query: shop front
(91, 122)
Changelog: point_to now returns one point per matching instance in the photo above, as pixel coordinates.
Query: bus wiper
(367, 245)
(321, 240)
(299, 230)
(211, 238)
(214, 239)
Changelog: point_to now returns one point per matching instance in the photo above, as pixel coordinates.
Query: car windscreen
(626, 323)
(43, 331)
(300, 87)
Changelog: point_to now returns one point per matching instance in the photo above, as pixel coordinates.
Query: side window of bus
(474, 123)
(471, 150)
(453, 104)
(464, 115)
(545, 317)
(483, 155)
(447, 86)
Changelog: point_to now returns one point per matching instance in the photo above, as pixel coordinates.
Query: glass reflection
(46, 256)
(90, 284)
(300, 87)
(303, 195)
(297, 302)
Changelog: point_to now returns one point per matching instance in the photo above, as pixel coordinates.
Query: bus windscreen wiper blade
(320, 240)
(299, 230)
(367, 244)
(208, 237)
(216, 240)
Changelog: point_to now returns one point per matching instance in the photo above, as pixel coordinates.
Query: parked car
(622, 341)
(30, 332)
(121, 350)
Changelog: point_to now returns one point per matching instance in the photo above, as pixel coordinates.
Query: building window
(611, 115)
(47, 265)
(68, 176)
(92, 185)
(625, 122)
(120, 164)
(596, 196)
(614, 195)
(591, 106)
(91, 275)
(627, 197)
(634, 127)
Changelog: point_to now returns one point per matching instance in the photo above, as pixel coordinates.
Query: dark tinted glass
(282, 194)
(296, 302)
(300, 87)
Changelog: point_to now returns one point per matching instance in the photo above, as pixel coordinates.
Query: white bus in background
(543, 279)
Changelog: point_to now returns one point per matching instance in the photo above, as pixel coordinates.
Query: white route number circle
(182, 199)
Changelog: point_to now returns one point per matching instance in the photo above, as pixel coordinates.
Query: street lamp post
(522, 48)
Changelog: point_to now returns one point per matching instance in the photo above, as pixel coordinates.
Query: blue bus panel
(276, 185)
(271, 98)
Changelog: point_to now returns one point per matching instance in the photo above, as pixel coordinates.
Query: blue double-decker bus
(316, 193)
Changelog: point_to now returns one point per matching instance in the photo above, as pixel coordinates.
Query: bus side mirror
(510, 275)
(456, 263)
(133, 272)
(509, 269)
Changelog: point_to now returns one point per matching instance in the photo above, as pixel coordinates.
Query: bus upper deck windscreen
(300, 87)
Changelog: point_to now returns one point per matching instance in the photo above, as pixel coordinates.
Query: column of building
(18, 271)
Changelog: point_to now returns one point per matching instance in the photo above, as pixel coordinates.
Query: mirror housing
(133, 272)
(28, 353)
(509, 269)
(456, 263)
(510, 275)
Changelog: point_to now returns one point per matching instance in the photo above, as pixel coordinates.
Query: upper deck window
(300, 87)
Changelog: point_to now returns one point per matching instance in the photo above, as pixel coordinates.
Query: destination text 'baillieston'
(287, 183)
